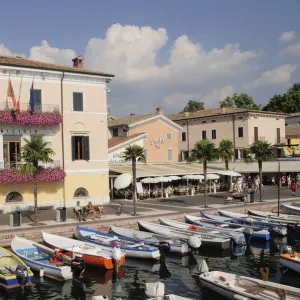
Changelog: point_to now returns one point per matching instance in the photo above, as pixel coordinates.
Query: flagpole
(18, 105)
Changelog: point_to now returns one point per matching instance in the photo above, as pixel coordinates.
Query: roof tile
(114, 141)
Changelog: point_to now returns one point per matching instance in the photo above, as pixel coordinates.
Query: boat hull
(287, 261)
(294, 210)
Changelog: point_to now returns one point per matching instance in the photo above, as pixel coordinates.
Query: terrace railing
(26, 107)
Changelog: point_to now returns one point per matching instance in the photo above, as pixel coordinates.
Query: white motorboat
(232, 286)
(237, 237)
(290, 209)
(165, 244)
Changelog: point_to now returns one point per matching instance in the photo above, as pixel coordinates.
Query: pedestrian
(282, 182)
(289, 181)
(249, 182)
(273, 180)
(298, 179)
(256, 184)
(293, 187)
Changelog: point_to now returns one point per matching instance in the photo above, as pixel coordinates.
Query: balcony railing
(280, 140)
(259, 138)
(17, 165)
(43, 115)
(49, 108)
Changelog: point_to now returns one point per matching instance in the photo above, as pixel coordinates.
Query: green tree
(193, 106)
(260, 151)
(204, 151)
(134, 154)
(240, 101)
(35, 153)
(226, 151)
(287, 103)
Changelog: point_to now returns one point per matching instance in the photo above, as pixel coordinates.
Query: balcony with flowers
(43, 115)
(10, 173)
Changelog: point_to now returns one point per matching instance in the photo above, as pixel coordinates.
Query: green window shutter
(37, 94)
(77, 102)
(87, 148)
(73, 147)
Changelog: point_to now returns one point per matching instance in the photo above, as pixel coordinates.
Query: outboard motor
(194, 241)
(164, 247)
(287, 249)
(78, 266)
(202, 266)
(21, 275)
(248, 231)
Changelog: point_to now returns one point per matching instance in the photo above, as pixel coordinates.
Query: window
(203, 134)
(241, 153)
(169, 136)
(115, 132)
(289, 142)
(77, 102)
(240, 118)
(81, 192)
(11, 150)
(255, 134)
(80, 148)
(183, 136)
(278, 135)
(14, 197)
(185, 155)
(170, 154)
(37, 96)
(214, 134)
(236, 153)
(203, 122)
(213, 121)
(146, 153)
(241, 132)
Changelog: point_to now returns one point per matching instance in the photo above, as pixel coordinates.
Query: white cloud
(291, 50)
(278, 76)
(48, 54)
(6, 52)
(177, 101)
(287, 36)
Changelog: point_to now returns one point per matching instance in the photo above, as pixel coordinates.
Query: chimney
(132, 115)
(78, 62)
(159, 111)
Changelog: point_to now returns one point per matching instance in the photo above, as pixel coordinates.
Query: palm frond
(134, 151)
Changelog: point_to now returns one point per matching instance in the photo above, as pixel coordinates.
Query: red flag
(11, 93)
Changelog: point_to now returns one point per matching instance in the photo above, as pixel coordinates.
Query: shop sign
(157, 142)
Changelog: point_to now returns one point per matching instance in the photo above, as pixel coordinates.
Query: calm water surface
(175, 272)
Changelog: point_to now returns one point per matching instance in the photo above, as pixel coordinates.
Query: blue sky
(200, 49)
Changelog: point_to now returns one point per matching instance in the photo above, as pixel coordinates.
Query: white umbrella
(212, 176)
(162, 179)
(174, 178)
(123, 181)
(148, 180)
(193, 177)
(229, 173)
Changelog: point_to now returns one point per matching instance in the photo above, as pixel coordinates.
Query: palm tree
(260, 151)
(204, 151)
(226, 152)
(35, 153)
(134, 153)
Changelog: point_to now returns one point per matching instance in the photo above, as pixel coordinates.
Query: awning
(149, 170)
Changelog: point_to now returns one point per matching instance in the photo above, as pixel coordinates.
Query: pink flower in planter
(26, 118)
(47, 175)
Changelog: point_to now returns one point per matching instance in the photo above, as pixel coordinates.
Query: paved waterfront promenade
(150, 210)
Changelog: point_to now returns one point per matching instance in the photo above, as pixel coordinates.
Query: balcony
(280, 140)
(259, 138)
(43, 115)
(10, 173)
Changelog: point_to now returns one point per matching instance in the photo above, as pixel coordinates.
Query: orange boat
(93, 255)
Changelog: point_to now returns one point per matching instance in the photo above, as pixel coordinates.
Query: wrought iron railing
(8, 105)
(17, 165)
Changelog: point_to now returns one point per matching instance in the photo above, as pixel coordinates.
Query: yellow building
(70, 113)
(292, 147)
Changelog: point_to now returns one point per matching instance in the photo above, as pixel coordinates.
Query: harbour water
(177, 273)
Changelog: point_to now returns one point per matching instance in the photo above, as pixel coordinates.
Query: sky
(164, 53)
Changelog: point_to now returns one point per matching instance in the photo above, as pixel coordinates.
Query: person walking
(273, 180)
(289, 181)
(293, 187)
(256, 184)
(282, 182)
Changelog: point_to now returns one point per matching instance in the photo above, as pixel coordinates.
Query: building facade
(70, 113)
(293, 119)
(162, 135)
(292, 144)
(241, 126)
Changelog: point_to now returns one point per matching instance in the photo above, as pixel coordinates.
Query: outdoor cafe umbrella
(148, 180)
(123, 181)
(212, 176)
(172, 178)
(230, 173)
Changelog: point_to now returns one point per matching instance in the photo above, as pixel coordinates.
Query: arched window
(14, 197)
(81, 192)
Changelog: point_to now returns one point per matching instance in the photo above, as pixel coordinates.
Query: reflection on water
(178, 274)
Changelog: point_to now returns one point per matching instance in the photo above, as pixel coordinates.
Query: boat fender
(117, 254)
(100, 298)
(42, 272)
(155, 289)
(222, 278)
(193, 227)
(202, 266)
(194, 241)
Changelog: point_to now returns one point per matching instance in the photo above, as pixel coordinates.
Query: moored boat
(232, 286)
(165, 244)
(13, 271)
(237, 237)
(290, 260)
(132, 248)
(290, 209)
(193, 240)
(37, 257)
(92, 254)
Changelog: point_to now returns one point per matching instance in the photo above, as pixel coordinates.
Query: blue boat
(259, 232)
(131, 247)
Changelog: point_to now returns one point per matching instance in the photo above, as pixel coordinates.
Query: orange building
(161, 138)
